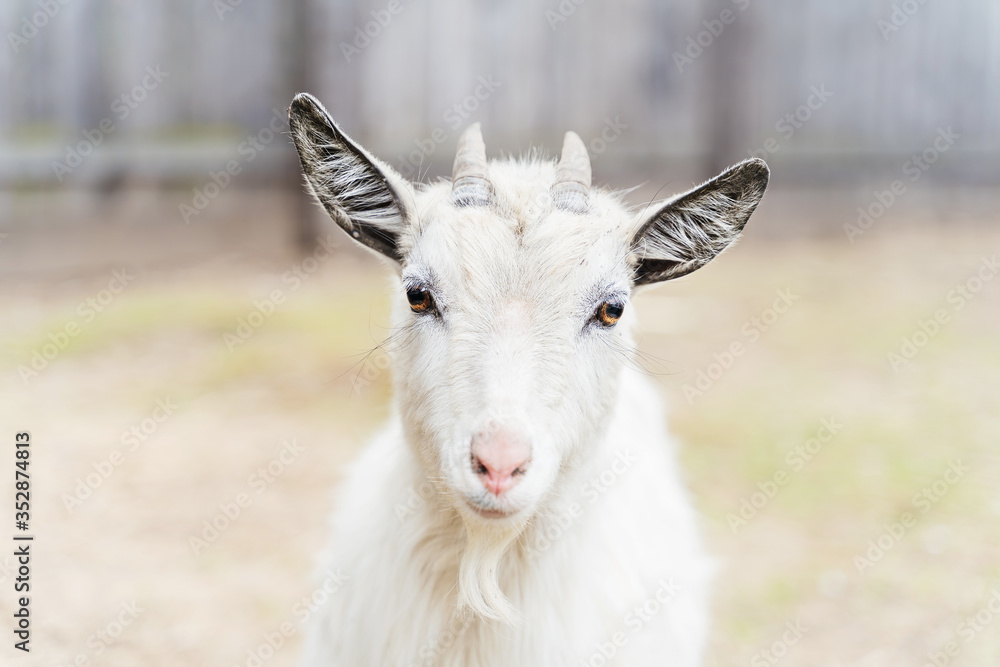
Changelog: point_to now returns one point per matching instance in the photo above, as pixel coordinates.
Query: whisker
(656, 196)
(387, 344)
(640, 361)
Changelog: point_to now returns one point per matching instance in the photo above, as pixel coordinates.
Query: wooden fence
(812, 80)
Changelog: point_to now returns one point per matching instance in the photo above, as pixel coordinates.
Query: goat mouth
(489, 513)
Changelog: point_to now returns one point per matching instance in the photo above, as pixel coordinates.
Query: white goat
(523, 507)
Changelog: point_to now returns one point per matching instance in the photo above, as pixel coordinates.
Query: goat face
(513, 302)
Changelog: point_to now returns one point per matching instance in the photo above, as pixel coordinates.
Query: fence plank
(891, 91)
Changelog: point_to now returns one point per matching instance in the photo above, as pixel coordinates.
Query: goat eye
(420, 300)
(609, 312)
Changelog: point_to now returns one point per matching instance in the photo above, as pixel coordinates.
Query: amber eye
(420, 300)
(609, 312)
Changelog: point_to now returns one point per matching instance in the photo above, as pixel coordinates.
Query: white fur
(433, 583)
(400, 602)
(592, 556)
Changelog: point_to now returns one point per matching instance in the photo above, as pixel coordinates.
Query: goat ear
(687, 232)
(360, 193)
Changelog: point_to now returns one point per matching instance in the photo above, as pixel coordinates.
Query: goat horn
(572, 186)
(469, 185)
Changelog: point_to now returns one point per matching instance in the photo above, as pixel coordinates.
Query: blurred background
(176, 311)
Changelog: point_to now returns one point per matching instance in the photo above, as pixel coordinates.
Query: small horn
(571, 190)
(469, 185)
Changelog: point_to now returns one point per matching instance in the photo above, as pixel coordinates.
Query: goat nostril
(478, 466)
(500, 460)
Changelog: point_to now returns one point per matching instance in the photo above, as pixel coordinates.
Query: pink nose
(500, 457)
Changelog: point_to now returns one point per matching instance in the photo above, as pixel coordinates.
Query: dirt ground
(847, 493)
